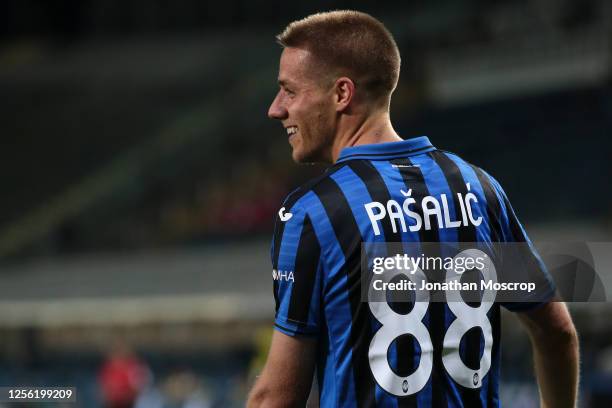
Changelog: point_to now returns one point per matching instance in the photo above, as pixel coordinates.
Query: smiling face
(304, 105)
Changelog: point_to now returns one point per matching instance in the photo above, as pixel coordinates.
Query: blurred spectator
(122, 377)
(181, 389)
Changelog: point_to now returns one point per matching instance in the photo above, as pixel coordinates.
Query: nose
(277, 109)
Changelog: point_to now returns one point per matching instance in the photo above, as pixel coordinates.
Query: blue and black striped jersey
(316, 256)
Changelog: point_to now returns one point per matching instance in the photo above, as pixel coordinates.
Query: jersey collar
(383, 151)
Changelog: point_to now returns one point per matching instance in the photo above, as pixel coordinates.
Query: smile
(291, 130)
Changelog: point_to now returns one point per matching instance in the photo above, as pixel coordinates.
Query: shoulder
(460, 161)
(301, 210)
(484, 177)
(301, 199)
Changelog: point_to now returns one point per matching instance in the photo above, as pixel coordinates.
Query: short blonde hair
(349, 43)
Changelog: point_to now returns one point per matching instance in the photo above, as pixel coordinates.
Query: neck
(369, 129)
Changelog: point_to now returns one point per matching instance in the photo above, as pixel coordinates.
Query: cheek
(314, 116)
(326, 116)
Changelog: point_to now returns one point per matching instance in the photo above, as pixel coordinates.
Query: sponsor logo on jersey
(279, 275)
(284, 216)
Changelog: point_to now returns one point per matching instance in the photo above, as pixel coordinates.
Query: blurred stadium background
(140, 176)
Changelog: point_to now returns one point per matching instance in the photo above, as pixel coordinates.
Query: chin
(307, 157)
(298, 157)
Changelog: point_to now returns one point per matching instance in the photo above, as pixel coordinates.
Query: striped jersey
(395, 358)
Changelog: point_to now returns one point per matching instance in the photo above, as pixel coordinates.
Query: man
(337, 73)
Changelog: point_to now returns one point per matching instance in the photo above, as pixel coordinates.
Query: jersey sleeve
(522, 262)
(296, 263)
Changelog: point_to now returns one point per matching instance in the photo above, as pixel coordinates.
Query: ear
(345, 92)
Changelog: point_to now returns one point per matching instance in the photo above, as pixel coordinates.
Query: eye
(286, 90)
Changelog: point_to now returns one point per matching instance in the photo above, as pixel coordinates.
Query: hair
(349, 43)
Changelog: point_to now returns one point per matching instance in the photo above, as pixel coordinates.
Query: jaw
(315, 143)
(298, 153)
(301, 154)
